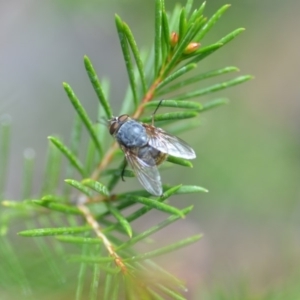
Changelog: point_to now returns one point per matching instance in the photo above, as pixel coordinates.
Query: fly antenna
(156, 109)
(102, 121)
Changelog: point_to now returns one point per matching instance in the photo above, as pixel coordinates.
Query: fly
(145, 147)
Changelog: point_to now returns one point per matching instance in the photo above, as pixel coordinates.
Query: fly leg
(123, 169)
(156, 109)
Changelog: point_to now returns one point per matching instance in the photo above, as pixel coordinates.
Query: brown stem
(95, 225)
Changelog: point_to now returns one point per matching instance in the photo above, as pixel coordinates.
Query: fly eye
(123, 118)
(113, 128)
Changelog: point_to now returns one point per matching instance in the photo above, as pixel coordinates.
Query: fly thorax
(132, 134)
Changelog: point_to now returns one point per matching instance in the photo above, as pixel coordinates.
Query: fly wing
(168, 143)
(148, 175)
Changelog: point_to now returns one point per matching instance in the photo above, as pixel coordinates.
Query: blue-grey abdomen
(132, 134)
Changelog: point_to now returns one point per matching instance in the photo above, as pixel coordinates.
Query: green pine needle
(5, 128)
(199, 77)
(154, 229)
(158, 35)
(96, 186)
(180, 161)
(97, 86)
(84, 116)
(214, 103)
(67, 209)
(68, 154)
(120, 218)
(211, 22)
(127, 58)
(52, 170)
(171, 116)
(176, 74)
(214, 88)
(158, 205)
(78, 240)
(136, 54)
(164, 250)
(205, 51)
(174, 103)
(53, 231)
(29, 156)
(79, 186)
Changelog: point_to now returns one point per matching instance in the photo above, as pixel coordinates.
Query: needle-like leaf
(74, 148)
(154, 295)
(5, 124)
(158, 35)
(141, 211)
(97, 86)
(214, 88)
(182, 24)
(166, 249)
(96, 186)
(95, 282)
(74, 160)
(180, 161)
(171, 293)
(183, 70)
(205, 51)
(173, 24)
(83, 115)
(136, 55)
(211, 22)
(53, 231)
(199, 77)
(158, 205)
(78, 240)
(231, 36)
(214, 103)
(188, 6)
(127, 58)
(108, 286)
(53, 169)
(90, 259)
(29, 156)
(90, 156)
(121, 219)
(67, 209)
(187, 189)
(79, 186)
(165, 35)
(197, 14)
(154, 229)
(174, 103)
(171, 116)
(81, 276)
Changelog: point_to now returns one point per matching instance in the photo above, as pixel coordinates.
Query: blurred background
(247, 151)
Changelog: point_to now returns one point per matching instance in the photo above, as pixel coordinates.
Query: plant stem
(95, 225)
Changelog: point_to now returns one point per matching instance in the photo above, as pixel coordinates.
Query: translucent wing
(147, 174)
(168, 143)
